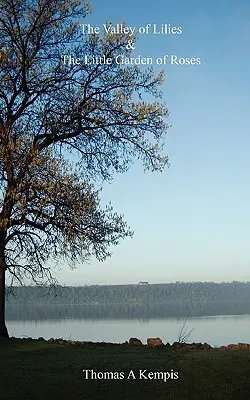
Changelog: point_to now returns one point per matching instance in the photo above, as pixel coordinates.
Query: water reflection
(142, 311)
(215, 323)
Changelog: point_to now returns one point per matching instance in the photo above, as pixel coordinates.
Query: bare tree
(50, 109)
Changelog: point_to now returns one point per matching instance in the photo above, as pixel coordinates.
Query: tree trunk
(3, 329)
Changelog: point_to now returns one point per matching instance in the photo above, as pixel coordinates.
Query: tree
(51, 112)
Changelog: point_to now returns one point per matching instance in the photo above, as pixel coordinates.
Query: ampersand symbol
(130, 45)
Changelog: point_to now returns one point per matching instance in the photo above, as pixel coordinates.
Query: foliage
(50, 111)
(188, 294)
(57, 216)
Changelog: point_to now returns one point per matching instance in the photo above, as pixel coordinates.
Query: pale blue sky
(192, 222)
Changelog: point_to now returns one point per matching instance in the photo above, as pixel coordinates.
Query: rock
(177, 345)
(199, 346)
(233, 347)
(154, 342)
(207, 346)
(191, 346)
(134, 342)
(244, 346)
(239, 346)
(57, 340)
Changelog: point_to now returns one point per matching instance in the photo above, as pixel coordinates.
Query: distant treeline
(178, 292)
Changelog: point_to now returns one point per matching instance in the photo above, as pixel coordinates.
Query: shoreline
(132, 343)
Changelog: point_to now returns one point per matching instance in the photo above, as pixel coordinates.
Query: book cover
(124, 199)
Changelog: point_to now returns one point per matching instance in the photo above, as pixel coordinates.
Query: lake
(116, 323)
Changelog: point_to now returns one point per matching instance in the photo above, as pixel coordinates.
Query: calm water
(215, 330)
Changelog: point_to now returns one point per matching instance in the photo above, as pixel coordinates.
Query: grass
(33, 370)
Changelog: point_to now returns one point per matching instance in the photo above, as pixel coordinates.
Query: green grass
(40, 371)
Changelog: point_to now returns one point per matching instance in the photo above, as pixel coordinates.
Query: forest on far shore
(178, 292)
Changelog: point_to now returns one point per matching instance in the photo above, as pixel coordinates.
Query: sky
(191, 222)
